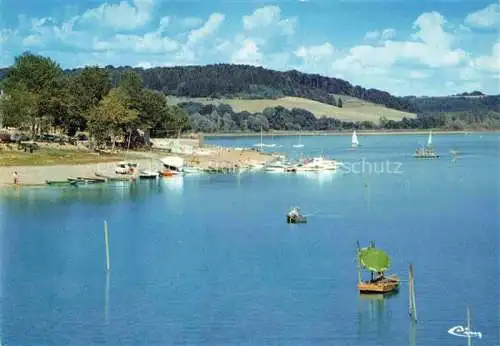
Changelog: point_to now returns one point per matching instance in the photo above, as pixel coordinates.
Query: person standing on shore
(15, 176)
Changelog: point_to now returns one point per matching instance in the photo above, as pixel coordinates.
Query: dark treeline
(221, 118)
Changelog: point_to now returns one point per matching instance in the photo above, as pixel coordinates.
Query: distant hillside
(353, 109)
(250, 82)
(457, 103)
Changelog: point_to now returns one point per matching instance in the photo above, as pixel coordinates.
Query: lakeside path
(212, 157)
(343, 133)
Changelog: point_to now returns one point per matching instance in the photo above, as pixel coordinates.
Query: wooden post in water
(412, 308)
(469, 342)
(106, 243)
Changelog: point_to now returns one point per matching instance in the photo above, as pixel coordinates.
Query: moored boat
(172, 165)
(60, 182)
(317, 164)
(148, 174)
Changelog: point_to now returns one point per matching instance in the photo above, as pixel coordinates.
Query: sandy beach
(211, 157)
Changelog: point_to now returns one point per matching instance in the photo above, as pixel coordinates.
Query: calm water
(209, 260)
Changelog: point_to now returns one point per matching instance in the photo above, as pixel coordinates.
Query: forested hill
(228, 80)
(250, 82)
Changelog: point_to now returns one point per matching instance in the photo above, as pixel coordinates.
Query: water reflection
(374, 314)
(106, 299)
(175, 183)
(93, 193)
(320, 177)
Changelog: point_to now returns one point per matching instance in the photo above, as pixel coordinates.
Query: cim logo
(464, 332)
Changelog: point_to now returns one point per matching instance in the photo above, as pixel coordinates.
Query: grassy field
(353, 109)
(47, 157)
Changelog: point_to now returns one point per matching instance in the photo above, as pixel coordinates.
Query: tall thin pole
(469, 342)
(411, 298)
(106, 241)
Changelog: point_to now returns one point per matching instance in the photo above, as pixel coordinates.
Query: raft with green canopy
(376, 261)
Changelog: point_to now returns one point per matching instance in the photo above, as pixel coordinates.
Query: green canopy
(374, 259)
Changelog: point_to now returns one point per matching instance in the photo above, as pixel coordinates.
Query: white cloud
(152, 43)
(248, 54)
(386, 34)
(268, 19)
(432, 47)
(314, 58)
(122, 16)
(490, 64)
(486, 18)
(210, 26)
(418, 74)
(191, 22)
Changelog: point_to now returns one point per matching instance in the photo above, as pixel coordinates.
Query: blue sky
(410, 47)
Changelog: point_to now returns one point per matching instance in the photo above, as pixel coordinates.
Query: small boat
(148, 174)
(86, 180)
(377, 262)
(426, 152)
(116, 178)
(294, 216)
(60, 182)
(172, 165)
(317, 164)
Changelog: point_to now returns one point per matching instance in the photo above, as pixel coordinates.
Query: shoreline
(37, 175)
(343, 133)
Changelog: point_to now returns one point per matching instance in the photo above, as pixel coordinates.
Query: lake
(210, 260)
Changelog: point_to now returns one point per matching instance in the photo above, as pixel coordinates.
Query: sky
(405, 47)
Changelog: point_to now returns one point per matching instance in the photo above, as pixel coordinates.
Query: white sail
(429, 140)
(354, 140)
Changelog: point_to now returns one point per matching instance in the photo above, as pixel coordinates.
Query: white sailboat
(429, 140)
(354, 140)
(298, 145)
(261, 145)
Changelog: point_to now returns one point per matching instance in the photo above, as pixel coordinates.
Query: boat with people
(426, 152)
(295, 216)
(377, 262)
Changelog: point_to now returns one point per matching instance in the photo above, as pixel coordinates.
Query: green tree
(33, 83)
(340, 103)
(110, 117)
(84, 91)
(178, 120)
(131, 84)
(19, 108)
